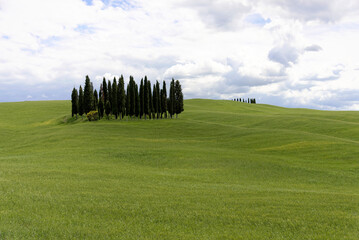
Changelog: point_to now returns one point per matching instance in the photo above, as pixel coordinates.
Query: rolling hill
(222, 170)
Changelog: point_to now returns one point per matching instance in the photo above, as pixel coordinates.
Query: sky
(291, 53)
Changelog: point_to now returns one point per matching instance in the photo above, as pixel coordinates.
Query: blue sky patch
(257, 19)
(88, 2)
(83, 28)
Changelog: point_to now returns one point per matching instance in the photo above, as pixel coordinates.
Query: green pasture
(222, 170)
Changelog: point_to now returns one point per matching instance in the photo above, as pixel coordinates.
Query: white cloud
(291, 53)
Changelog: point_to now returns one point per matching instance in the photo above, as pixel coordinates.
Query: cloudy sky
(292, 53)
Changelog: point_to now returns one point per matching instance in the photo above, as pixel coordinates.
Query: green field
(222, 170)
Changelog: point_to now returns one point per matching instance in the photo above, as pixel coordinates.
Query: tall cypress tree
(121, 97)
(164, 99)
(105, 92)
(114, 98)
(74, 102)
(137, 102)
(109, 89)
(92, 97)
(100, 108)
(150, 100)
(108, 109)
(81, 102)
(171, 108)
(155, 101)
(88, 95)
(158, 100)
(142, 99)
(95, 99)
(132, 97)
(178, 98)
(128, 102)
(146, 99)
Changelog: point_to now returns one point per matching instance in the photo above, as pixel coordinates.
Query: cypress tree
(74, 102)
(95, 99)
(88, 95)
(171, 108)
(150, 102)
(122, 97)
(178, 98)
(164, 99)
(154, 98)
(108, 109)
(137, 102)
(158, 100)
(105, 92)
(142, 99)
(100, 108)
(92, 97)
(114, 98)
(146, 96)
(128, 100)
(81, 102)
(109, 89)
(133, 96)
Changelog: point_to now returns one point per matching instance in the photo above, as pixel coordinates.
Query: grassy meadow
(222, 170)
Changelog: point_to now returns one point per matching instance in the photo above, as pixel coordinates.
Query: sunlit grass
(222, 170)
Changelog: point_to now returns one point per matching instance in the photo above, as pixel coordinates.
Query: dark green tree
(142, 99)
(108, 109)
(146, 98)
(88, 96)
(171, 107)
(105, 92)
(74, 102)
(132, 96)
(109, 89)
(100, 108)
(128, 101)
(178, 98)
(95, 99)
(158, 100)
(137, 102)
(81, 101)
(114, 98)
(164, 100)
(154, 100)
(121, 97)
(150, 99)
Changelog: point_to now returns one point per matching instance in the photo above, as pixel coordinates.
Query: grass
(222, 170)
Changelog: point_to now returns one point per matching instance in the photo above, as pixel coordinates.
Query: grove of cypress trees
(178, 98)
(142, 99)
(74, 102)
(121, 97)
(114, 98)
(164, 99)
(88, 96)
(81, 102)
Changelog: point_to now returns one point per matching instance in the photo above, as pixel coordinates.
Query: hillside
(222, 170)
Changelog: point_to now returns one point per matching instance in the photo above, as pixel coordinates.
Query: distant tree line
(249, 100)
(133, 102)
